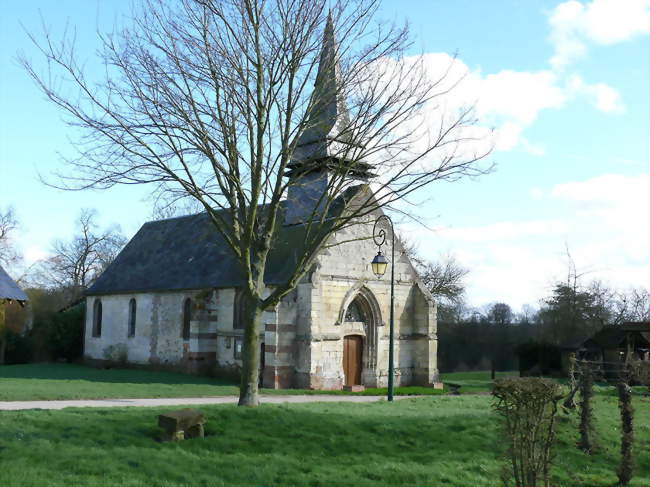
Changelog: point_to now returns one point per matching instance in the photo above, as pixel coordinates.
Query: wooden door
(352, 352)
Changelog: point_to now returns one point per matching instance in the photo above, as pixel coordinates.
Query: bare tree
(8, 225)
(214, 99)
(444, 278)
(632, 304)
(76, 263)
(164, 208)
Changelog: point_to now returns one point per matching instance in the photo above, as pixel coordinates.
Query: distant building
(614, 345)
(9, 290)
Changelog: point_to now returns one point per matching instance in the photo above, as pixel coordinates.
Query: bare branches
(213, 100)
(8, 225)
(444, 277)
(76, 263)
(209, 98)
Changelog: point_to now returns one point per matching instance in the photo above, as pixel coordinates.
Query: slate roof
(190, 253)
(607, 337)
(610, 337)
(9, 289)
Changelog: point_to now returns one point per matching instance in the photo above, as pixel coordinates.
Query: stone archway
(360, 315)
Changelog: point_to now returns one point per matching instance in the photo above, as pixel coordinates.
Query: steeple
(326, 143)
(325, 150)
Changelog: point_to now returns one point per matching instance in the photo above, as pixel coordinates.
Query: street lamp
(379, 265)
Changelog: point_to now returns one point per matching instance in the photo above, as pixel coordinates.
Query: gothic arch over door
(361, 307)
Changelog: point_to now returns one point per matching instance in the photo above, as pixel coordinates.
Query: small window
(239, 347)
(187, 316)
(238, 310)
(132, 311)
(97, 318)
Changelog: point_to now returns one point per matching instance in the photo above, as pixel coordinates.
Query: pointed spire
(330, 114)
(326, 141)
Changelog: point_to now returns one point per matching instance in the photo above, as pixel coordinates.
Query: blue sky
(565, 85)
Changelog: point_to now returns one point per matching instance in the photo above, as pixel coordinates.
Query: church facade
(172, 297)
(331, 331)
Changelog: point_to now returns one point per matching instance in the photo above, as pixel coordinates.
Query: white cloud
(602, 96)
(507, 101)
(518, 95)
(615, 210)
(35, 253)
(612, 189)
(503, 231)
(536, 193)
(604, 220)
(575, 24)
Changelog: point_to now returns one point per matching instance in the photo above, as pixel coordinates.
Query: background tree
(500, 316)
(632, 304)
(8, 225)
(76, 263)
(209, 99)
(8, 255)
(445, 279)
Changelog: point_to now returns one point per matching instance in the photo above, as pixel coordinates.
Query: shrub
(528, 407)
(19, 348)
(116, 354)
(65, 333)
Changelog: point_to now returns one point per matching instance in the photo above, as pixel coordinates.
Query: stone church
(171, 298)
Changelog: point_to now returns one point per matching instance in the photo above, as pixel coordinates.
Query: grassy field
(67, 381)
(431, 441)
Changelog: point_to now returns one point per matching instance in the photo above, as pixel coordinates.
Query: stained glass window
(354, 313)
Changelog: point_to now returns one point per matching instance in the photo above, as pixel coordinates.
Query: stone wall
(303, 335)
(340, 273)
(158, 330)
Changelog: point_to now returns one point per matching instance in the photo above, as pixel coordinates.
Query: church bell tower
(326, 150)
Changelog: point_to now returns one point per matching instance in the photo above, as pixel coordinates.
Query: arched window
(97, 318)
(187, 315)
(238, 319)
(132, 311)
(355, 311)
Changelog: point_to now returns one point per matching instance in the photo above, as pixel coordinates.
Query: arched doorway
(359, 318)
(352, 359)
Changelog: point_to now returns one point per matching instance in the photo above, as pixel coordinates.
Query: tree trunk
(249, 391)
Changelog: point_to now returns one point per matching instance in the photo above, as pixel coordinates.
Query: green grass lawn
(45, 381)
(433, 441)
(67, 381)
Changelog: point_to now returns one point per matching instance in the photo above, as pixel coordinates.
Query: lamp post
(379, 264)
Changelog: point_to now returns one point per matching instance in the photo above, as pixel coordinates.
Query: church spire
(326, 141)
(326, 149)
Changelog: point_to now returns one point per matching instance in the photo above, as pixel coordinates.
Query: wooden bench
(182, 424)
(454, 389)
